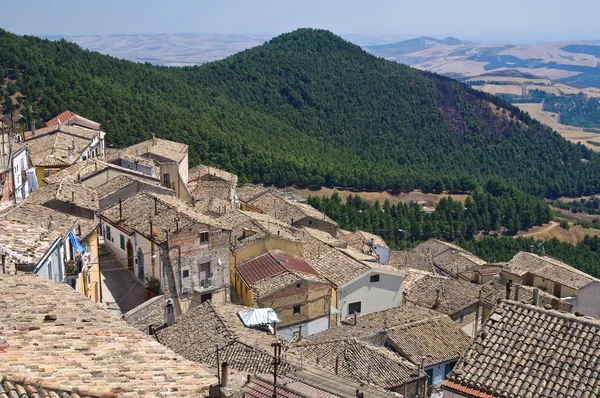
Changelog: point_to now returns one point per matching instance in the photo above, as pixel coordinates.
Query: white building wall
(20, 165)
(306, 329)
(114, 244)
(149, 250)
(374, 296)
(588, 300)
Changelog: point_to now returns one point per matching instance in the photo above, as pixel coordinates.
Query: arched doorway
(129, 255)
(140, 261)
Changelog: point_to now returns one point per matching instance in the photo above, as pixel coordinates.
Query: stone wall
(152, 312)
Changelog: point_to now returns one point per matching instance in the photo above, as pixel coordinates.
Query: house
(359, 286)
(359, 361)
(405, 260)
(161, 237)
(171, 157)
(52, 245)
(420, 335)
(455, 298)
(557, 278)
(200, 332)
(133, 162)
(527, 351)
(17, 179)
(448, 259)
(58, 343)
(523, 294)
(290, 286)
(57, 147)
(213, 190)
(68, 118)
(294, 213)
(369, 244)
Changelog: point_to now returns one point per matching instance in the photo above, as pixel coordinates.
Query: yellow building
(90, 278)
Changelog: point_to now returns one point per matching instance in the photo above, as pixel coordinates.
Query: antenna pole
(276, 362)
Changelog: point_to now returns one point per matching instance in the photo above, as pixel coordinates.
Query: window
(374, 278)
(122, 242)
(185, 273)
(203, 236)
(354, 307)
(297, 286)
(448, 368)
(166, 180)
(107, 232)
(297, 309)
(205, 297)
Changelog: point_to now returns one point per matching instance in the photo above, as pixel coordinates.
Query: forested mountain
(305, 108)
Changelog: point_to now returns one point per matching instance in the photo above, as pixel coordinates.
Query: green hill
(307, 108)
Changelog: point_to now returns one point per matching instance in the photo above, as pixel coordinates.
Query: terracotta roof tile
(527, 351)
(60, 119)
(55, 338)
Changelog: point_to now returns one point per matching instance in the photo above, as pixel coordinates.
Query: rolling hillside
(308, 108)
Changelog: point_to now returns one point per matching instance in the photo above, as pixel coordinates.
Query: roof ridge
(417, 323)
(553, 312)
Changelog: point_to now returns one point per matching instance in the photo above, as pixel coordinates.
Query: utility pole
(276, 362)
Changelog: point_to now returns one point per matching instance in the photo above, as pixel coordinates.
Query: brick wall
(314, 300)
(152, 312)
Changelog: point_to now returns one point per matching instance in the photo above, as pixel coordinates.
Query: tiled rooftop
(453, 262)
(166, 212)
(52, 337)
(250, 191)
(208, 173)
(526, 297)
(436, 246)
(49, 145)
(118, 183)
(158, 147)
(410, 259)
(82, 170)
(435, 340)
(359, 361)
(361, 240)
(455, 295)
(60, 119)
(285, 210)
(527, 351)
(549, 268)
(66, 191)
(339, 267)
(196, 334)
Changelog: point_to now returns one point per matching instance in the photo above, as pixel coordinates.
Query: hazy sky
(506, 20)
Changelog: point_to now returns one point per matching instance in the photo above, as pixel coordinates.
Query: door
(129, 255)
(140, 261)
(204, 274)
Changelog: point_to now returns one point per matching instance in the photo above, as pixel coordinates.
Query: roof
(198, 332)
(527, 351)
(273, 270)
(435, 246)
(86, 168)
(159, 149)
(249, 227)
(286, 210)
(549, 268)
(119, 154)
(208, 173)
(59, 145)
(324, 237)
(410, 259)
(359, 239)
(119, 182)
(166, 213)
(70, 118)
(525, 296)
(78, 194)
(24, 243)
(455, 295)
(29, 389)
(453, 262)
(373, 323)
(435, 339)
(339, 267)
(59, 340)
(215, 196)
(360, 361)
(250, 191)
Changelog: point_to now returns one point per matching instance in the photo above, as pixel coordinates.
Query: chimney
(79, 178)
(120, 210)
(73, 144)
(73, 196)
(508, 287)
(337, 359)
(32, 128)
(151, 231)
(176, 224)
(79, 229)
(224, 374)
(153, 140)
(155, 206)
(517, 291)
(536, 296)
(69, 151)
(354, 318)
(373, 242)
(438, 301)
(169, 312)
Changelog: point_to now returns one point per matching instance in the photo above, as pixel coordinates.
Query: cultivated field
(573, 235)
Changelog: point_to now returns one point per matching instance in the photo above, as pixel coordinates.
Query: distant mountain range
(573, 63)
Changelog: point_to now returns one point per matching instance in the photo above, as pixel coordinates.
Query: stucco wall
(374, 296)
(588, 300)
(305, 329)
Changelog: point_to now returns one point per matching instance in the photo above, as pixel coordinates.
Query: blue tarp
(75, 243)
